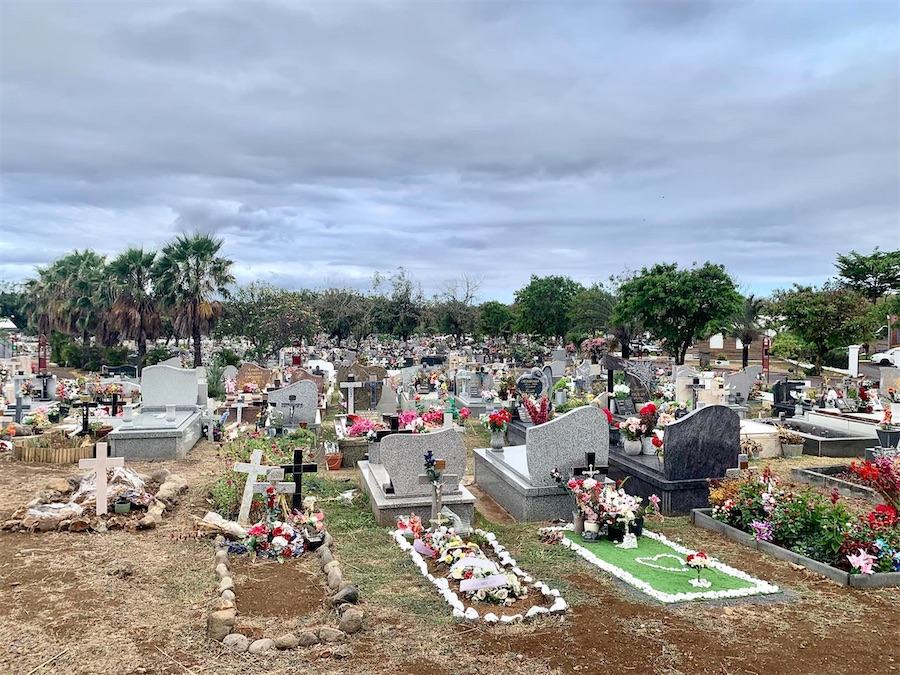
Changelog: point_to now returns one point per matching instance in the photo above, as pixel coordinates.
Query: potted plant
(630, 430)
(333, 456)
(791, 442)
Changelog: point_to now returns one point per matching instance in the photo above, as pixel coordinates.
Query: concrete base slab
(387, 508)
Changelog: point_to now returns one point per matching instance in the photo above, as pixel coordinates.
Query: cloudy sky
(326, 141)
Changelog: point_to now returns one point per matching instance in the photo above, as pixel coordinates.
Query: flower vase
(615, 435)
(615, 531)
(496, 440)
(888, 438)
(592, 526)
(637, 526)
(895, 412)
(647, 447)
(578, 522)
(170, 413)
(632, 448)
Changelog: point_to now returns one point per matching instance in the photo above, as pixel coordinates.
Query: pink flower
(862, 561)
(653, 499)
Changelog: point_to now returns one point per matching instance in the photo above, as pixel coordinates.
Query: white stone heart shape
(649, 562)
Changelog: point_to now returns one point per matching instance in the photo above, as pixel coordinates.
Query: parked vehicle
(890, 357)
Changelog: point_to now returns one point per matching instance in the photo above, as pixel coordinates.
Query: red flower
(657, 441)
(649, 409)
(609, 417)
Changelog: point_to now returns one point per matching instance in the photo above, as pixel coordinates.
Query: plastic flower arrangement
(230, 385)
(610, 420)
(360, 426)
(699, 561)
(538, 412)
(621, 390)
(631, 429)
(27, 389)
(891, 395)
(498, 420)
(251, 388)
(488, 395)
(887, 421)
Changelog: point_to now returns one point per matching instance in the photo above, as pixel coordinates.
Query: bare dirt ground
(135, 603)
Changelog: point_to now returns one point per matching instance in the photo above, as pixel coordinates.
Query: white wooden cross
(275, 478)
(351, 386)
(253, 469)
(239, 405)
(101, 464)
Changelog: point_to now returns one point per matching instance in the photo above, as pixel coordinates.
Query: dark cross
(588, 470)
(113, 403)
(297, 469)
(372, 384)
(85, 406)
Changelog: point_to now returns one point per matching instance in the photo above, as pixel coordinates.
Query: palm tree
(69, 296)
(187, 275)
(134, 308)
(745, 324)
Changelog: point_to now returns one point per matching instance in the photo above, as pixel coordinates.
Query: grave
(469, 385)
(701, 445)
(299, 404)
(100, 465)
(253, 374)
(169, 423)
(518, 477)
(296, 470)
(535, 384)
(393, 483)
(253, 468)
(786, 395)
(363, 399)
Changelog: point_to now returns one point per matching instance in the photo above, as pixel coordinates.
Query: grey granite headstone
(403, 457)
(738, 385)
(307, 398)
(563, 441)
(702, 444)
(166, 385)
(548, 379)
(230, 372)
(387, 404)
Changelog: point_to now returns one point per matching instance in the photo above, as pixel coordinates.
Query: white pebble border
(759, 587)
(460, 611)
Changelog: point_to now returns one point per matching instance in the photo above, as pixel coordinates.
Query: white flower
(279, 542)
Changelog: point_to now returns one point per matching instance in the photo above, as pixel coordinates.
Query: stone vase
(647, 447)
(170, 413)
(888, 438)
(615, 435)
(578, 522)
(792, 449)
(592, 526)
(496, 440)
(632, 448)
(637, 526)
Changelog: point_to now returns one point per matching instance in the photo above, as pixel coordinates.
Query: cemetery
(503, 499)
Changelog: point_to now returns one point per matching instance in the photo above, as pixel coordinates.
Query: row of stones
(223, 611)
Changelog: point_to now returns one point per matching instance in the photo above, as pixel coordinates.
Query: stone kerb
(165, 385)
(702, 444)
(562, 443)
(307, 395)
(403, 457)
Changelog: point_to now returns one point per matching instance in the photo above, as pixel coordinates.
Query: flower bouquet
(539, 412)
(496, 421)
(621, 390)
(699, 561)
(631, 429)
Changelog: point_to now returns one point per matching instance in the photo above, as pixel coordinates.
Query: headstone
(583, 377)
(173, 362)
(532, 384)
(167, 385)
(301, 408)
(402, 455)
(702, 444)
(229, 373)
(100, 465)
(251, 373)
(253, 468)
(563, 442)
(300, 375)
(387, 404)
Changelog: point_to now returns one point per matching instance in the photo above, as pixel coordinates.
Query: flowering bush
(807, 523)
(497, 420)
(882, 475)
(594, 348)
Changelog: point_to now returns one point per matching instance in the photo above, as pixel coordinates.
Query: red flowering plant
(883, 476)
(609, 417)
(274, 538)
(539, 412)
(649, 416)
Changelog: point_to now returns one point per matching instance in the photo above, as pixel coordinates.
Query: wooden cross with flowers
(296, 471)
(275, 486)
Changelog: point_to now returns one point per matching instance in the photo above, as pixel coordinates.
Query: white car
(891, 357)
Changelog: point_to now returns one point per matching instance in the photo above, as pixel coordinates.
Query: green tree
(678, 306)
(745, 324)
(872, 276)
(405, 305)
(13, 304)
(496, 319)
(543, 305)
(341, 312)
(188, 275)
(590, 310)
(135, 311)
(454, 310)
(823, 319)
(268, 317)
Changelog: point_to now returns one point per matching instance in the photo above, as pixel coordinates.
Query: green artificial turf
(660, 580)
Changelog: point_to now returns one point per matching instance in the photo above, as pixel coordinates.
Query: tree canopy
(678, 306)
(543, 305)
(872, 276)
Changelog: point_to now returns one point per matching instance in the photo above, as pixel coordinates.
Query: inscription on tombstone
(530, 385)
(625, 406)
